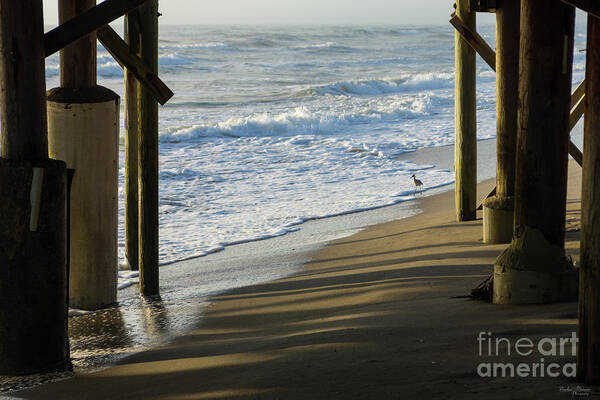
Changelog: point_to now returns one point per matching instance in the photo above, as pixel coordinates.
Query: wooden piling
(132, 94)
(77, 60)
(543, 130)
(534, 268)
(22, 61)
(507, 93)
(465, 148)
(498, 216)
(588, 352)
(148, 156)
(33, 293)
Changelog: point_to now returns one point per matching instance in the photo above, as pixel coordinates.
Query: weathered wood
(489, 56)
(77, 60)
(465, 148)
(22, 81)
(89, 21)
(132, 94)
(534, 268)
(127, 59)
(484, 5)
(33, 290)
(578, 93)
(490, 194)
(576, 113)
(589, 6)
(576, 153)
(575, 116)
(507, 93)
(33, 295)
(543, 132)
(498, 211)
(474, 40)
(148, 156)
(588, 351)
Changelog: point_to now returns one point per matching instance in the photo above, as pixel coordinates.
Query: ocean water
(273, 126)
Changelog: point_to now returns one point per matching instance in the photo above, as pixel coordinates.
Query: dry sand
(378, 315)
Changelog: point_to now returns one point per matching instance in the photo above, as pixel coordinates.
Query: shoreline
(127, 329)
(356, 308)
(123, 330)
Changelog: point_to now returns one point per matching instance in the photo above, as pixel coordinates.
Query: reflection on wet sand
(105, 336)
(102, 338)
(96, 336)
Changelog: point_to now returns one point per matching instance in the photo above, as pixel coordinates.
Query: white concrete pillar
(83, 130)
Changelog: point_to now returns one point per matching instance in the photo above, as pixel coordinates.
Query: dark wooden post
(588, 352)
(498, 211)
(132, 94)
(33, 293)
(534, 268)
(465, 148)
(507, 93)
(543, 136)
(77, 60)
(23, 83)
(148, 156)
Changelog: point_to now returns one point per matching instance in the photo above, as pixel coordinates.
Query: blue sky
(297, 12)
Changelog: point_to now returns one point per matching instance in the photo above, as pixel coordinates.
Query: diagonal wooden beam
(576, 153)
(87, 22)
(577, 112)
(117, 47)
(475, 41)
(589, 6)
(578, 93)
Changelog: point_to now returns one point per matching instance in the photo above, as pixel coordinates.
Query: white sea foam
(417, 82)
(270, 127)
(171, 59)
(187, 46)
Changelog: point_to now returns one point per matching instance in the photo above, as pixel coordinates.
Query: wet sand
(381, 314)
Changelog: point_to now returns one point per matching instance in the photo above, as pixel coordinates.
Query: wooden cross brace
(97, 19)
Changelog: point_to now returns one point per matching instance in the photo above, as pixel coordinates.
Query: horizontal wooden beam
(475, 41)
(589, 6)
(117, 47)
(483, 6)
(87, 22)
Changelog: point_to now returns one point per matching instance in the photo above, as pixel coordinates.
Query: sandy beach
(381, 314)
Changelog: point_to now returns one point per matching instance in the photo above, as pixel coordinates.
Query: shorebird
(418, 184)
